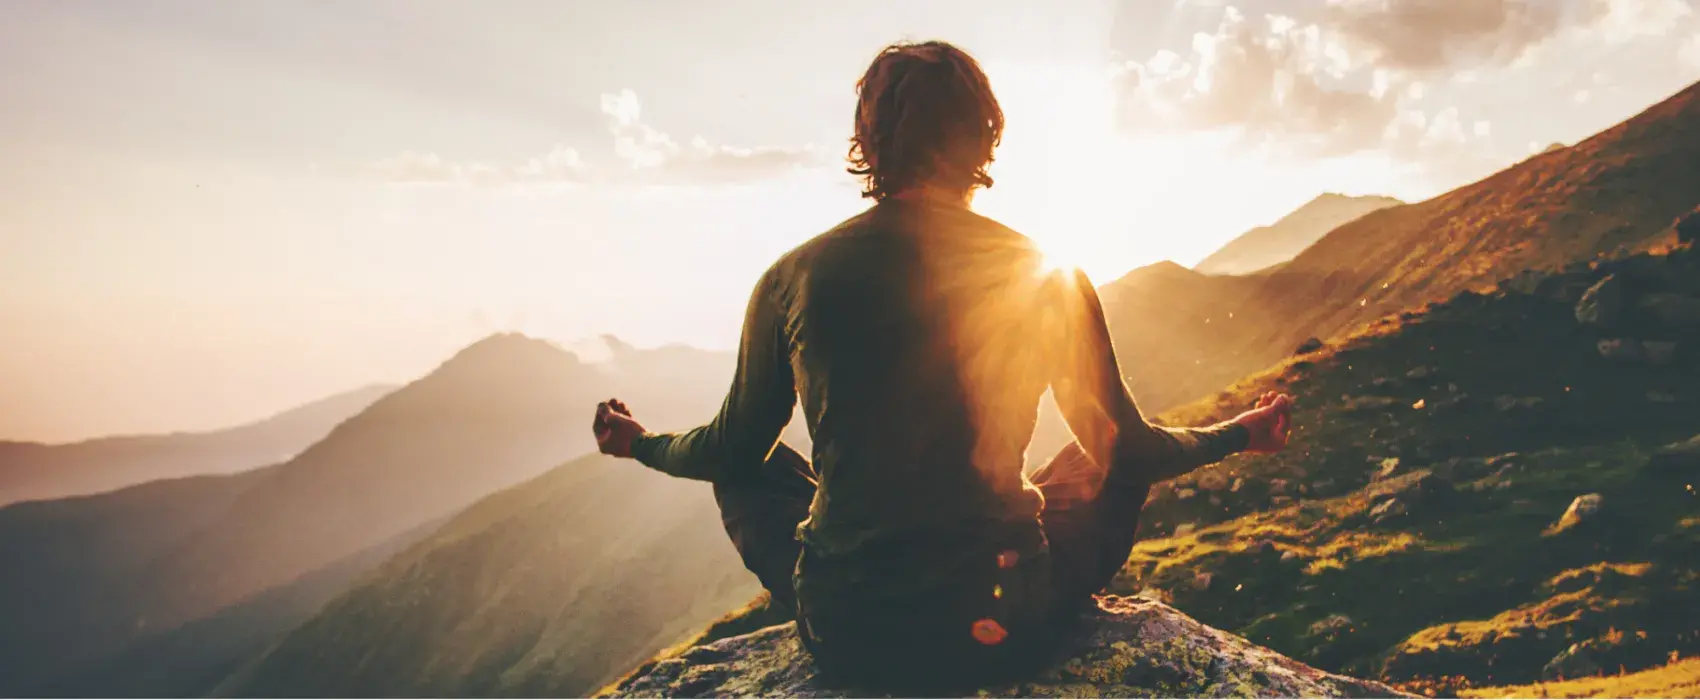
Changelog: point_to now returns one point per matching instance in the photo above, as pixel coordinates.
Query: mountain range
(31, 471)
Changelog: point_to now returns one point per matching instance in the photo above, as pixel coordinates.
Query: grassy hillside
(549, 588)
(1277, 243)
(34, 471)
(86, 583)
(1679, 679)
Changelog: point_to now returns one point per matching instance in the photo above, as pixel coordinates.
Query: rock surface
(1602, 303)
(1131, 647)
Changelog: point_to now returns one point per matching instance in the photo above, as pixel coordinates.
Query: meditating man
(920, 338)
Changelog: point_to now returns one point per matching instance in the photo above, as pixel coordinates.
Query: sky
(214, 211)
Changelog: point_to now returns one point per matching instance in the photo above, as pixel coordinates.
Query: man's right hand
(615, 428)
(1269, 423)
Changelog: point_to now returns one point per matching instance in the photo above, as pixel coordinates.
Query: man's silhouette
(920, 338)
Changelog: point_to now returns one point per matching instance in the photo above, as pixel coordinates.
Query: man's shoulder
(802, 254)
(854, 226)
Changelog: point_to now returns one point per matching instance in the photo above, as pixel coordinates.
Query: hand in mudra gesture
(615, 428)
(1270, 422)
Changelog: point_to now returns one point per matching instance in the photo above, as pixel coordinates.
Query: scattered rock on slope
(1581, 510)
(1602, 303)
(1134, 648)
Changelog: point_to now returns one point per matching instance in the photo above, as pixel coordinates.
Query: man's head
(926, 119)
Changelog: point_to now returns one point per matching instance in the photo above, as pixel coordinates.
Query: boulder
(1331, 625)
(1602, 304)
(1128, 647)
(1419, 488)
(1386, 469)
(1582, 509)
(1389, 509)
(1573, 662)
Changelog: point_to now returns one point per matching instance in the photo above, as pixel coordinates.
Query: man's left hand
(615, 428)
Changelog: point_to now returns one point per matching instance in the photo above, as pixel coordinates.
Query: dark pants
(1090, 520)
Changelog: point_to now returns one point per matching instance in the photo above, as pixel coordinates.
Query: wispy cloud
(1424, 35)
(641, 154)
(643, 149)
(1276, 80)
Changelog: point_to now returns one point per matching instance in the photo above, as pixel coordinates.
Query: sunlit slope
(551, 588)
(1680, 679)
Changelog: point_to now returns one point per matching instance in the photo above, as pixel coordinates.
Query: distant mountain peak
(616, 346)
(1276, 243)
(1327, 197)
(510, 347)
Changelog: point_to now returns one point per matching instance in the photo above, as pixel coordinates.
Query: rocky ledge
(1130, 648)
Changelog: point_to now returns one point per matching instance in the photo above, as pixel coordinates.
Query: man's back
(912, 332)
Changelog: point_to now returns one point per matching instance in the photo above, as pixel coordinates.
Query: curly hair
(925, 116)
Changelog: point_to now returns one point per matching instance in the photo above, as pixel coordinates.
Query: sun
(1057, 256)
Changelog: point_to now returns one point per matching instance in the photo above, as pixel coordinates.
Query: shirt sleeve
(1099, 409)
(758, 406)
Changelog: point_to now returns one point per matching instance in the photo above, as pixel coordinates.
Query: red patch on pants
(988, 632)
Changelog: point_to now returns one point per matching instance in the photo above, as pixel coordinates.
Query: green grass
(1679, 679)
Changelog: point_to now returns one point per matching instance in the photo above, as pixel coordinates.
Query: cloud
(641, 155)
(1426, 35)
(1303, 90)
(1274, 79)
(641, 148)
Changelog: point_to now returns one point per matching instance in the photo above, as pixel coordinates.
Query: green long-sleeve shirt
(920, 338)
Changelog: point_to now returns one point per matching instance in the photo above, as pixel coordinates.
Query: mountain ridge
(1279, 242)
(44, 471)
